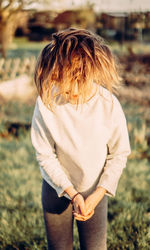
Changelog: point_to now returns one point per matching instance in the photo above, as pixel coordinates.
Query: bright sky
(100, 5)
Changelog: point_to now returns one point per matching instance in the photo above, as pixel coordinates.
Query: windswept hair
(74, 56)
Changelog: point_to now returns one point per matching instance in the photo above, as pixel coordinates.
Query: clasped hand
(84, 209)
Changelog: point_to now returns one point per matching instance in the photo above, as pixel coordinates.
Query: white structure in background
(118, 6)
(18, 88)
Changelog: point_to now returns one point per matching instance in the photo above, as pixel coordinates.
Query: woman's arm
(78, 201)
(44, 146)
(118, 151)
(93, 199)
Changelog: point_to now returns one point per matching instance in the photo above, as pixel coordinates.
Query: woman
(80, 136)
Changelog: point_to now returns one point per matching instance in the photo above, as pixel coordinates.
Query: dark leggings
(59, 223)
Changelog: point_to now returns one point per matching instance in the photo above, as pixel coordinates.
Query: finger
(83, 218)
(79, 216)
(82, 208)
(88, 211)
(91, 214)
(88, 216)
(76, 209)
(80, 219)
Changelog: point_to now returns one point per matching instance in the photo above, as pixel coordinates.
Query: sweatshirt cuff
(108, 190)
(109, 185)
(59, 190)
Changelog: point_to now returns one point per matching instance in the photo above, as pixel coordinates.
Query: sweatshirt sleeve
(44, 146)
(118, 151)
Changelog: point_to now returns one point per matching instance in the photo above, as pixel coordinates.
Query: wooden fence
(13, 67)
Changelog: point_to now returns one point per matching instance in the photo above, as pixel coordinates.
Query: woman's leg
(93, 232)
(58, 219)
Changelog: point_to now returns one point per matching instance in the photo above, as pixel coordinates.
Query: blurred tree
(9, 18)
(12, 13)
(147, 20)
(81, 18)
(137, 21)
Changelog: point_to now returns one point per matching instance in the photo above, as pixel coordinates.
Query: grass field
(21, 221)
(21, 47)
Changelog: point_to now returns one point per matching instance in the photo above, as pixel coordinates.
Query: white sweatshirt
(84, 147)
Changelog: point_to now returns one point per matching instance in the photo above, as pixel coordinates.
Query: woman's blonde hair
(74, 56)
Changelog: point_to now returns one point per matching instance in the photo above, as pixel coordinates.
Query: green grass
(137, 47)
(129, 214)
(21, 47)
(21, 218)
(21, 214)
(21, 221)
(14, 111)
(23, 42)
(137, 117)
